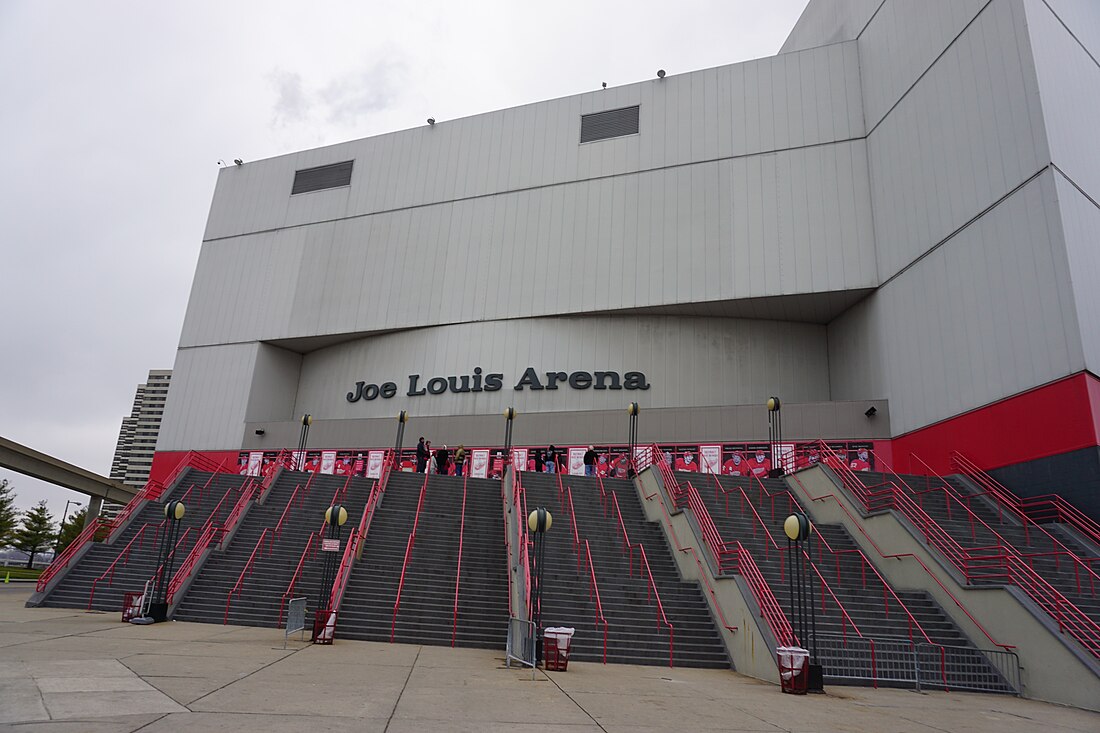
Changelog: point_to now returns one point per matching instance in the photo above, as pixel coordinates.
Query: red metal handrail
(769, 606)
(653, 593)
(594, 592)
(902, 556)
(62, 560)
(458, 566)
(698, 563)
(266, 540)
(179, 543)
(356, 541)
(408, 552)
(1014, 569)
(210, 532)
(308, 552)
(1046, 506)
(123, 557)
(1005, 545)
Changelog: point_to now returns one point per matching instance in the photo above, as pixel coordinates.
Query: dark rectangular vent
(322, 177)
(612, 123)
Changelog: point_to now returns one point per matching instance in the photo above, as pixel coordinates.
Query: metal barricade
(521, 643)
(897, 662)
(295, 619)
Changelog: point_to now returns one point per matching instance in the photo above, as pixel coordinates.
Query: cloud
(291, 102)
(356, 95)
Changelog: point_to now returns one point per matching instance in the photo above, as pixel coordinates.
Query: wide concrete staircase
(131, 559)
(299, 499)
(634, 633)
(426, 612)
(855, 608)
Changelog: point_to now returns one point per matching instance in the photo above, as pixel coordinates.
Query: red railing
(308, 553)
(519, 507)
(262, 549)
(902, 556)
(1000, 495)
(1046, 508)
(210, 532)
(1004, 562)
(124, 557)
(179, 543)
(62, 561)
(235, 514)
(703, 573)
(458, 566)
(594, 594)
(355, 542)
(408, 553)
(652, 593)
(745, 566)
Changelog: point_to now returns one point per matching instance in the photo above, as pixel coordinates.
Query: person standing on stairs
(590, 461)
(460, 458)
(422, 455)
(442, 457)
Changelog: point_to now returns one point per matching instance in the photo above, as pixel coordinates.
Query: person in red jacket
(861, 463)
(735, 465)
(760, 465)
(603, 470)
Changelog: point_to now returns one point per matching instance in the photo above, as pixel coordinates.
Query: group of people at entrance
(440, 461)
(597, 464)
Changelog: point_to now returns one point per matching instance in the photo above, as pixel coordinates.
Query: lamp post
(335, 517)
(173, 514)
(307, 420)
(61, 529)
(509, 416)
(402, 418)
(775, 436)
(799, 529)
(632, 436)
(538, 522)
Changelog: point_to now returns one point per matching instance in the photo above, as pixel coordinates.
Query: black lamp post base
(815, 678)
(158, 611)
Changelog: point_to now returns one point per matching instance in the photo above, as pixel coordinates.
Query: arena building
(899, 210)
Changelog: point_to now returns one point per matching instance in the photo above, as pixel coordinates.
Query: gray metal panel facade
(935, 155)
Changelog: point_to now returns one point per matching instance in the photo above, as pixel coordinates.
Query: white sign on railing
(479, 463)
(328, 461)
(374, 463)
(576, 461)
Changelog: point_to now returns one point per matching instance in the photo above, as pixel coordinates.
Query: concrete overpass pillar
(95, 504)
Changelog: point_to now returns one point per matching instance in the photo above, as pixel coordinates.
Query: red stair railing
(594, 594)
(353, 548)
(123, 557)
(458, 566)
(97, 525)
(652, 593)
(262, 549)
(1014, 569)
(408, 552)
(308, 553)
(209, 533)
(703, 573)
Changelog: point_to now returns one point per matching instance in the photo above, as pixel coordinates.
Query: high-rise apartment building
(137, 439)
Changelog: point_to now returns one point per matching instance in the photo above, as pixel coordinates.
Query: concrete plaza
(66, 670)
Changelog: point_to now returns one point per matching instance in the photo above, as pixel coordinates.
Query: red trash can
(555, 648)
(794, 664)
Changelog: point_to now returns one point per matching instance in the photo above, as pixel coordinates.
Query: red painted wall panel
(165, 462)
(1046, 421)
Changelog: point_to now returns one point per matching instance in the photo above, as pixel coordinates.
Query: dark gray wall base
(1074, 475)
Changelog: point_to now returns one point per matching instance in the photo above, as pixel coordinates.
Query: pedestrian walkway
(97, 674)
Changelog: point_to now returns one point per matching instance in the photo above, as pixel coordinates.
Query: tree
(9, 517)
(37, 533)
(71, 529)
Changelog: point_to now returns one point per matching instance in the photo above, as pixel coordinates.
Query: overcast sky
(116, 113)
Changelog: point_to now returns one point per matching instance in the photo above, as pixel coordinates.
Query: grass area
(19, 573)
